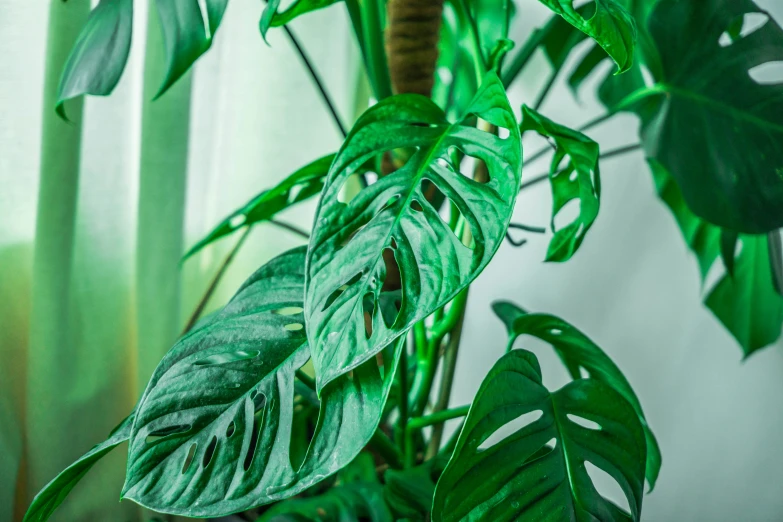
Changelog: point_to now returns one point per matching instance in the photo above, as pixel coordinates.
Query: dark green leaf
(747, 303)
(299, 186)
(355, 502)
(538, 472)
(346, 265)
(99, 55)
(611, 26)
(53, 494)
(274, 18)
(187, 34)
(579, 353)
(709, 108)
(213, 429)
(579, 180)
(409, 492)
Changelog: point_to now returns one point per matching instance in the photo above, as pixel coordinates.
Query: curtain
(97, 213)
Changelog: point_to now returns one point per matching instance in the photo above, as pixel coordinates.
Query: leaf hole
(584, 373)
(416, 206)
(368, 311)
(289, 310)
(543, 451)
(585, 423)
(339, 291)
(237, 220)
(158, 434)
(259, 401)
(511, 427)
(352, 186)
(742, 26)
(228, 357)
(232, 428)
(209, 452)
(567, 214)
(294, 327)
(189, 457)
(770, 73)
(607, 486)
(503, 133)
(556, 331)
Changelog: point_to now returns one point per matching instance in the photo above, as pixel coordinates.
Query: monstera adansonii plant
(313, 394)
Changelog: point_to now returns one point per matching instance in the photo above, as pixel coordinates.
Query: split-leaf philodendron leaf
(99, 55)
(299, 186)
(539, 472)
(212, 431)
(579, 180)
(346, 265)
(611, 26)
(355, 502)
(54, 493)
(745, 302)
(578, 354)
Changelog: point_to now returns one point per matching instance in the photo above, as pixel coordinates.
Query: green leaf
(187, 34)
(709, 107)
(409, 492)
(611, 26)
(728, 247)
(579, 180)
(213, 429)
(579, 353)
(299, 186)
(746, 303)
(538, 472)
(54, 493)
(98, 58)
(492, 19)
(355, 502)
(274, 18)
(346, 265)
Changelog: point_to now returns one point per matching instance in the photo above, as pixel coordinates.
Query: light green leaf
(274, 18)
(187, 33)
(538, 472)
(99, 55)
(579, 180)
(611, 26)
(355, 502)
(579, 353)
(213, 429)
(492, 19)
(346, 267)
(746, 303)
(299, 186)
(709, 107)
(54, 493)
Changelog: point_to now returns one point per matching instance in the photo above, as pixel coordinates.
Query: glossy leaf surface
(346, 270)
(187, 33)
(213, 429)
(54, 493)
(409, 492)
(98, 58)
(747, 303)
(611, 26)
(274, 18)
(579, 180)
(299, 186)
(539, 472)
(579, 354)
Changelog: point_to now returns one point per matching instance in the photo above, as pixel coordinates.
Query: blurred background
(95, 215)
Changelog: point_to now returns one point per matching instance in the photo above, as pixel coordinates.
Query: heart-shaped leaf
(54, 493)
(610, 25)
(299, 186)
(98, 58)
(746, 303)
(539, 472)
(346, 266)
(579, 180)
(213, 429)
(579, 354)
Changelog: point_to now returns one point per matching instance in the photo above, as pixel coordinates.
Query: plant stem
(606, 155)
(402, 423)
(291, 228)
(381, 443)
(306, 379)
(317, 80)
(196, 315)
(438, 417)
(545, 91)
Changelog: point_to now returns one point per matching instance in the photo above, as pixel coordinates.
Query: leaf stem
(402, 425)
(291, 228)
(381, 443)
(442, 416)
(545, 91)
(317, 80)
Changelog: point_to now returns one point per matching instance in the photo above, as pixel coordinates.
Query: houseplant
(412, 208)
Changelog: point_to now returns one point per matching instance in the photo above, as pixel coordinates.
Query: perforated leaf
(346, 269)
(357, 502)
(538, 472)
(213, 429)
(610, 25)
(55, 492)
(579, 354)
(579, 180)
(299, 186)
(98, 58)
(187, 33)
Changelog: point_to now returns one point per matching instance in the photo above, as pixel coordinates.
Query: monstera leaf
(212, 431)
(299, 186)
(610, 25)
(579, 354)
(350, 503)
(579, 180)
(539, 472)
(346, 265)
(54, 493)
(745, 300)
(98, 58)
